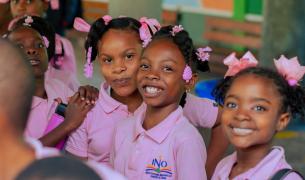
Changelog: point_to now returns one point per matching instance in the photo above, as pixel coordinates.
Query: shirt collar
(270, 162)
(106, 101)
(160, 131)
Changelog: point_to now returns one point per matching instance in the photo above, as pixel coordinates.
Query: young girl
(257, 103)
(63, 63)
(118, 46)
(160, 142)
(34, 36)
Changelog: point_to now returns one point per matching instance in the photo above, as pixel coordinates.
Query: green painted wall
(254, 7)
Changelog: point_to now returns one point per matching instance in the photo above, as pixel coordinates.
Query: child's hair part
(293, 97)
(42, 27)
(184, 43)
(99, 28)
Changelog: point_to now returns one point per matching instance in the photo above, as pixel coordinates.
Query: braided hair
(99, 28)
(292, 97)
(186, 46)
(42, 27)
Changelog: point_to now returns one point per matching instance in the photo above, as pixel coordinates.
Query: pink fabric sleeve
(201, 112)
(77, 143)
(293, 176)
(191, 158)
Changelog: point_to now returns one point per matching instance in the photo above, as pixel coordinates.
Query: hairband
(290, 69)
(236, 65)
(146, 26)
(81, 25)
(176, 29)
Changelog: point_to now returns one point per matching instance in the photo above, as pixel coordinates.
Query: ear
(190, 85)
(283, 121)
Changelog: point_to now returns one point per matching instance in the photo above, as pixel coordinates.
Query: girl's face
(119, 56)
(160, 75)
(31, 42)
(31, 7)
(252, 112)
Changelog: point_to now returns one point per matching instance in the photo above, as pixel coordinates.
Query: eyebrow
(163, 60)
(255, 99)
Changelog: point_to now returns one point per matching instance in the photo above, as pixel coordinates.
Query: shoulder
(55, 88)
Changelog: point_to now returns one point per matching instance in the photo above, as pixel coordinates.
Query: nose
(152, 75)
(31, 51)
(242, 115)
(119, 67)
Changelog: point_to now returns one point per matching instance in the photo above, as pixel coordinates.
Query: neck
(40, 90)
(249, 158)
(155, 115)
(132, 101)
(12, 144)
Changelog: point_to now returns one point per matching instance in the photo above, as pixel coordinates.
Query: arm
(217, 147)
(75, 114)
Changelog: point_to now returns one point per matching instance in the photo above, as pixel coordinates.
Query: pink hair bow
(290, 69)
(81, 25)
(176, 29)
(147, 24)
(203, 53)
(235, 65)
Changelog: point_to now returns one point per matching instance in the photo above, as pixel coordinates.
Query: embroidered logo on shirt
(158, 169)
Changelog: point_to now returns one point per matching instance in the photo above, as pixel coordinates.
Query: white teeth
(34, 62)
(242, 131)
(152, 90)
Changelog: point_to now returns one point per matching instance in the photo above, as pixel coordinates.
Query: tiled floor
(292, 141)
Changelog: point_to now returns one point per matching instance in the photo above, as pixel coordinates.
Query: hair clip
(176, 29)
(88, 70)
(203, 53)
(46, 41)
(235, 65)
(290, 69)
(187, 73)
(146, 26)
(28, 20)
(107, 19)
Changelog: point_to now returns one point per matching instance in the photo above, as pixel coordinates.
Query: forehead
(253, 86)
(165, 48)
(115, 38)
(24, 32)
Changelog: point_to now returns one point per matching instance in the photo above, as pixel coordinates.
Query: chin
(124, 91)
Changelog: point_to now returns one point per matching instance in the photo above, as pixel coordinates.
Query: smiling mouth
(151, 91)
(242, 131)
(34, 62)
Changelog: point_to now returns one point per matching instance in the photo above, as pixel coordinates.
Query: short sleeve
(77, 143)
(201, 112)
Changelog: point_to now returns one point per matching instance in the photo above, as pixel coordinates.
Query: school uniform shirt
(43, 109)
(201, 112)
(173, 149)
(93, 139)
(265, 169)
(65, 77)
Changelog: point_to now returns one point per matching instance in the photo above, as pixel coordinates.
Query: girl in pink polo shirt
(159, 142)
(257, 103)
(62, 65)
(117, 44)
(34, 36)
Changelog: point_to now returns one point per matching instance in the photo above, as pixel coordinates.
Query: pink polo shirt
(201, 112)
(93, 139)
(65, 77)
(265, 169)
(173, 149)
(43, 109)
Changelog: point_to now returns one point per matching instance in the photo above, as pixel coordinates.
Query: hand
(76, 111)
(88, 93)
